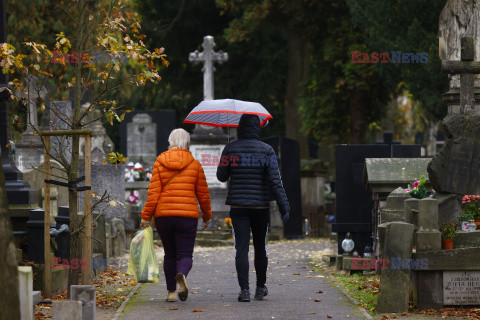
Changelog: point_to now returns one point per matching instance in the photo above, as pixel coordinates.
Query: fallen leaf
(198, 310)
(313, 313)
(172, 308)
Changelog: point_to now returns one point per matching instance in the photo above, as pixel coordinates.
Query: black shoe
(244, 296)
(261, 292)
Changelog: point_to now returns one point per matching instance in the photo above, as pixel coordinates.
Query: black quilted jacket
(252, 167)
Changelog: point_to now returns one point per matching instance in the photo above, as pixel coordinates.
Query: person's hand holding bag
(144, 224)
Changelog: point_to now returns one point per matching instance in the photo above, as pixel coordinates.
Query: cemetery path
(293, 289)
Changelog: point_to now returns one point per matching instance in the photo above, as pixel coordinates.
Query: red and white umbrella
(226, 112)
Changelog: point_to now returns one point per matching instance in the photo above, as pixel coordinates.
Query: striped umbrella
(226, 112)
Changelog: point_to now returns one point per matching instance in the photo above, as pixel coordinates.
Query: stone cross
(34, 90)
(208, 56)
(466, 68)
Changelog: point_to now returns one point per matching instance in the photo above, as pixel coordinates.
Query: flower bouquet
(471, 206)
(418, 189)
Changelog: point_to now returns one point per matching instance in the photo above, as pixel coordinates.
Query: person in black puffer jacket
(252, 167)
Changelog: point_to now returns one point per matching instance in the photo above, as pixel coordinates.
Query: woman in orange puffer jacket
(177, 182)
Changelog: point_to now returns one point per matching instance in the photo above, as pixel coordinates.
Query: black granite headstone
(354, 204)
(288, 153)
(36, 251)
(165, 120)
(406, 151)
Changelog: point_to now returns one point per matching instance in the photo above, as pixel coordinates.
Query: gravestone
(142, 140)
(164, 121)
(428, 238)
(394, 288)
(99, 244)
(119, 237)
(108, 240)
(461, 288)
(29, 150)
(67, 310)
(288, 154)
(387, 139)
(354, 203)
(382, 176)
(35, 225)
(58, 195)
(206, 142)
(455, 170)
(86, 295)
(108, 178)
(25, 293)
(395, 206)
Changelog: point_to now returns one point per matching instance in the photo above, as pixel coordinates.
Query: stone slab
(36, 297)
(108, 178)
(85, 295)
(410, 207)
(209, 156)
(429, 289)
(467, 239)
(451, 260)
(389, 215)
(384, 175)
(428, 214)
(25, 292)
(428, 240)
(67, 310)
(461, 288)
(394, 288)
(396, 199)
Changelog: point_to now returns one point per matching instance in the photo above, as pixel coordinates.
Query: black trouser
(244, 219)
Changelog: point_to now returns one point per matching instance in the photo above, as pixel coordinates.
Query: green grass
(363, 288)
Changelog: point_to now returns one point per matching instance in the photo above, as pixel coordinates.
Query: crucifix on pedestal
(208, 57)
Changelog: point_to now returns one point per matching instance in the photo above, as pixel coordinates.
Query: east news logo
(392, 57)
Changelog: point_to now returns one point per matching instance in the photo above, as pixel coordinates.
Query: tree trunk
(76, 224)
(298, 65)
(9, 302)
(358, 116)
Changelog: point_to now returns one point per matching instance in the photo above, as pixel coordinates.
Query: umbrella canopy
(226, 112)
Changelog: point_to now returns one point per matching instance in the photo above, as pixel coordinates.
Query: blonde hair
(179, 138)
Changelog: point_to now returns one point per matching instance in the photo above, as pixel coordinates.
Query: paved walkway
(293, 289)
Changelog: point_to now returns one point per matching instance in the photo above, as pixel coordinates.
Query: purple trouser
(178, 239)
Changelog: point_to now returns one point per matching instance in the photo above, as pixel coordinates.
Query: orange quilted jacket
(179, 197)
